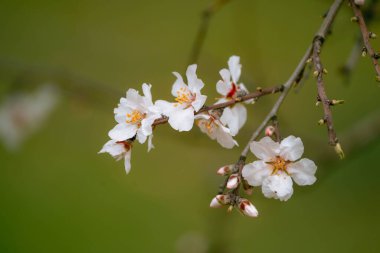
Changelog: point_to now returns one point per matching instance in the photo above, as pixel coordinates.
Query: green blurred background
(58, 195)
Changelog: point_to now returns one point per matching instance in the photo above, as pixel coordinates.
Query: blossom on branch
(234, 116)
(277, 167)
(119, 150)
(188, 100)
(135, 116)
(211, 125)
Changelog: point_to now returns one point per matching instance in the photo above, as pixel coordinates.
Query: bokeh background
(58, 195)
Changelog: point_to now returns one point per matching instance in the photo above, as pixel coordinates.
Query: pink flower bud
(225, 170)
(247, 208)
(220, 200)
(233, 181)
(269, 131)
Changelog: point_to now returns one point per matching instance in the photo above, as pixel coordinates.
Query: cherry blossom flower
(188, 100)
(277, 167)
(119, 150)
(234, 116)
(23, 113)
(247, 208)
(135, 116)
(213, 127)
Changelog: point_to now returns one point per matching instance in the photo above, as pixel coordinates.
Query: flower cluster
(278, 165)
(136, 115)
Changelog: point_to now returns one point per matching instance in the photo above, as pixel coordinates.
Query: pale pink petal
(235, 68)
(265, 149)
(255, 173)
(278, 186)
(303, 171)
(182, 120)
(291, 148)
(122, 132)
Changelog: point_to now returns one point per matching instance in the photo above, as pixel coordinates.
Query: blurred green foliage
(58, 195)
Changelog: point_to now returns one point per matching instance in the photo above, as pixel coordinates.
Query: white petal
(223, 87)
(147, 94)
(224, 137)
(182, 120)
(255, 173)
(113, 148)
(146, 125)
(122, 132)
(241, 113)
(199, 101)
(235, 68)
(279, 186)
(195, 84)
(265, 149)
(291, 148)
(230, 119)
(150, 142)
(164, 107)
(133, 98)
(303, 171)
(226, 76)
(141, 137)
(178, 84)
(127, 161)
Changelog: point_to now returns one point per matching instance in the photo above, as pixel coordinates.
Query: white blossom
(119, 150)
(247, 208)
(135, 116)
(277, 167)
(234, 116)
(23, 113)
(188, 100)
(214, 128)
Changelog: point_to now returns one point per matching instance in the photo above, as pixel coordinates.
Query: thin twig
(366, 37)
(253, 95)
(203, 28)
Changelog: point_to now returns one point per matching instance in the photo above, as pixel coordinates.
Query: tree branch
(366, 37)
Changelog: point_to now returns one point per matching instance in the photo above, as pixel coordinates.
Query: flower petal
(164, 107)
(122, 132)
(255, 173)
(199, 101)
(241, 113)
(141, 137)
(150, 142)
(127, 161)
(265, 149)
(147, 94)
(178, 84)
(182, 120)
(291, 148)
(279, 186)
(235, 68)
(195, 84)
(224, 137)
(303, 171)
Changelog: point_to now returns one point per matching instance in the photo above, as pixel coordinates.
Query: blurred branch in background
(203, 28)
(23, 76)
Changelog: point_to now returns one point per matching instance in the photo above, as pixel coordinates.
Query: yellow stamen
(184, 96)
(135, 117)
(279, 165)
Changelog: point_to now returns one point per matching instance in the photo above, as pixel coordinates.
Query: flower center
(232, 92)
(184, 96)
(135, 117)
(279, 165)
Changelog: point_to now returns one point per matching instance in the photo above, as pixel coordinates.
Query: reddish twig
(366, 37)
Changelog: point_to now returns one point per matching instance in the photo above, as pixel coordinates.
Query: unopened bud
(337, 102)
(220, 200)
(372, 35)
(364, 51)
(259, 89)
(316, 73)
(233, 181)
(230, 208)
(354, 19)
(317, 103)
(325, 71)
(339, 150)
(321, 122)
(269, 131)
(359, 2)
(246, 207)
(225, 170)
(309, 60)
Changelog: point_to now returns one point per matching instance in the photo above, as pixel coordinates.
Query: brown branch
(322, 96)
(253, 95)
(203, 28)
(321, 33)
(366, 37)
